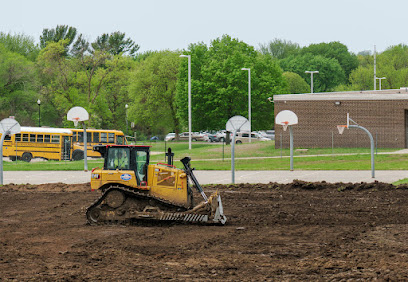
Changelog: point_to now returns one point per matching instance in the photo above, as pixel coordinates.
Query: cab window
(141, 159)
(118, 158)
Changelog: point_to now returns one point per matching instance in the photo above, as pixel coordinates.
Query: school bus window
(111, 137)
(25, 137)
(55, 139)
(96, 137)
(89, 137)
(104, 137)
(40, 138)
(74, 136)
(32, 137)
(80, 137)
(47, 138)
(7, 138)
(18, 137)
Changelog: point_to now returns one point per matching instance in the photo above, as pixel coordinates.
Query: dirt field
(298, 231)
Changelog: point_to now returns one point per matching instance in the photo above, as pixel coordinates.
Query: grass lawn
(215, 156)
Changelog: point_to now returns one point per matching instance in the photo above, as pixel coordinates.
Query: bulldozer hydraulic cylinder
(189, 172)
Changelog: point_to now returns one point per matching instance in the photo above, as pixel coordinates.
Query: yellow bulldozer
(135, 190)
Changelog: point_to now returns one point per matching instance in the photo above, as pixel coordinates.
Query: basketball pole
(1, 154)
(291, 147)
(85, 148)
(372, 146)
(355, 125)
(233, 157)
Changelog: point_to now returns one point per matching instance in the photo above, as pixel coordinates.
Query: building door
(406, 128)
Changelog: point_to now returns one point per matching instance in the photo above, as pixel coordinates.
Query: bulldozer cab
(129, 157)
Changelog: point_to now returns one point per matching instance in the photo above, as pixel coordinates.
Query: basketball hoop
(75, 120)
(285, 125)
(341, 128)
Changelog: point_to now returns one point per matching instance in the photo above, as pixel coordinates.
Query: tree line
(65, 70)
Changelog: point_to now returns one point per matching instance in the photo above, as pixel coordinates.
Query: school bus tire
(26, 157)
(78, 155)
(13, 158)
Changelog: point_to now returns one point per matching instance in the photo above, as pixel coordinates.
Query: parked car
(221, 135)
(243, 137)
(268, 134)
(211, 138)
(195, 136)
(170, 137)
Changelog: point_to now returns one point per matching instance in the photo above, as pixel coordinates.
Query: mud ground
(297, 231)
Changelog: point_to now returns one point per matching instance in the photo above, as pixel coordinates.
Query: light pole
(249, 100)
(311, 79)
(189, 98)
(39, 112)
(126, 107)
(380, 78)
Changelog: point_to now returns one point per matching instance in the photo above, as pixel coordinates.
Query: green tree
(334, 50)
(220, 87)
(392, 64)
(21, 44)
(57, 75)
(61, 32)
(109, 107)
(18, 85)
(330, 72)
(361, 79)
(279, 48)
(83, 81)
(152, 93)
(115, 44)
(296, 84)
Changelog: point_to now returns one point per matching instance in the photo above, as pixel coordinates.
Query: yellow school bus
(94, 137)
(39, 142)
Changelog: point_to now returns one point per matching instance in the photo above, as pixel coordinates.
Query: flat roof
(389, 94)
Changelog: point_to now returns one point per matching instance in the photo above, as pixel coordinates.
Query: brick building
(384, 113)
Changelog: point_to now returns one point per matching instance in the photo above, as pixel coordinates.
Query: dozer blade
(210, 212)
(213, 208)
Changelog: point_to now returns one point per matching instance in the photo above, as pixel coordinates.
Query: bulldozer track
(170, 214)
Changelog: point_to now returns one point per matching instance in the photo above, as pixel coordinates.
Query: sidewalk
(221, 177)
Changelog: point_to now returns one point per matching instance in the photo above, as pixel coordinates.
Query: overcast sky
(174, 24)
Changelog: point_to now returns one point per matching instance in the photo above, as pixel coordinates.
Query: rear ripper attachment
(160, 192)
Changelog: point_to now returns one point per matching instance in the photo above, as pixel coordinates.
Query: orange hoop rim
(341, 128)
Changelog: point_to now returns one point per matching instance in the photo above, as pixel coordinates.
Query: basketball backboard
(9, 125)
(237, 123)
(77, 114)
(286, 117)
